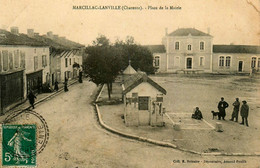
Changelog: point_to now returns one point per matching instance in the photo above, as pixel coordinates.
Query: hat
(244, 101)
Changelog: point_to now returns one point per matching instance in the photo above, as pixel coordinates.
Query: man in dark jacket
(197, 114)
(31, 98)
(244, 112)
(222, 105)
(236, 105)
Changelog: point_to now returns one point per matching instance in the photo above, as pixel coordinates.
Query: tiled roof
(236, 49)
(8, 38)
(50, 42)
(134, 80)
(187, 31)
(156, 48)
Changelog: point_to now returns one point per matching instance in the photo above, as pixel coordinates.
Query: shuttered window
(22, 59)
(16, 59)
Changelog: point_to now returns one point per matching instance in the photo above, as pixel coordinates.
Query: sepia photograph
(132, 83)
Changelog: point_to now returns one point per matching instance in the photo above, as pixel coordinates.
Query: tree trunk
(111, 88)
(108, 91)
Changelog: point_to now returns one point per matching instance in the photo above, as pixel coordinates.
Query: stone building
(188, 50)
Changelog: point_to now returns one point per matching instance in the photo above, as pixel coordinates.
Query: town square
(149, 90)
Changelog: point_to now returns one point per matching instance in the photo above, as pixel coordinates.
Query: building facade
(189, 50)
(24, 65)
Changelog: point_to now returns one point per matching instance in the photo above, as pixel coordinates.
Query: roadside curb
(159, 143)
(55, 93)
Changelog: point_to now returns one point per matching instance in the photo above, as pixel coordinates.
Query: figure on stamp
(16, 142)
(31, 98)
(222, 105)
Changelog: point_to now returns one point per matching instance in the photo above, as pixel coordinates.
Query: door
(189, 63)
(240, 66)
(52, 79)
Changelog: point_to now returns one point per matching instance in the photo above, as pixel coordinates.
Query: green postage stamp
(19, 145)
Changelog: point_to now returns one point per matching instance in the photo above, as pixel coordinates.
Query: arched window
(177, 45)
(201, 45)
(228, 59)
(253, 62)
(189, 47)
(221, 61)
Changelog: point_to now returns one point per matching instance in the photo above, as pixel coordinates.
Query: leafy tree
(103, 62)
(140, 56)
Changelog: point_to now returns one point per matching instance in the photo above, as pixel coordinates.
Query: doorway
(189, 63)
(240, 66)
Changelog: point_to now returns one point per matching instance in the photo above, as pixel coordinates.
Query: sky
(229, 21)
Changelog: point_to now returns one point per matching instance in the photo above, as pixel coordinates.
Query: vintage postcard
(130, 83)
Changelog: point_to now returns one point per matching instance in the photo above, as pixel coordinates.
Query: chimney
(166, 31)
(50, 34)
(15, 30)
(208, 30)
(30, 32)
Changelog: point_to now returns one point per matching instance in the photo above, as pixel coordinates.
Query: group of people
(244, 111)
(31, 96)
(222, 105)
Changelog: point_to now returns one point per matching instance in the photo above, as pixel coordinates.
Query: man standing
(222, 105)
(236, 105)
(244, 112)
(31, 98)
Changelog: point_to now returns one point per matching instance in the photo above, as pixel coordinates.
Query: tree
(140, 56)
(103, 62)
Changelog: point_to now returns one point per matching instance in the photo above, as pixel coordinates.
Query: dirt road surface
(77, 141)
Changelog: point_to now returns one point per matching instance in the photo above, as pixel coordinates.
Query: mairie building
(188, 50)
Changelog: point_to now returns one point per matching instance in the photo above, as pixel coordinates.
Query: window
(35, 51)
(11, 62)
(201, 45)
(257, 63)
(5, 60)
(66, 62)
(253, 62)
(201, 61)
(177, 61)
(44, 61)
(143, 103)
(157, 61)
(134, 97)
(35, 62)
(22, 59)
(221, 61)
(16, 59)
(228, 59)
(189, 47)
(70, 61)
(177, 45)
